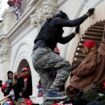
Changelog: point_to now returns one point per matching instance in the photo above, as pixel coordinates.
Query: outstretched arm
(72, 23)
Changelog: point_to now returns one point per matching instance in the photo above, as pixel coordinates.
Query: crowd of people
(17, 88)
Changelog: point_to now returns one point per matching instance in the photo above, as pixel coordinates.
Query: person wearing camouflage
(43, 56)
(48, 59)
(49, 75)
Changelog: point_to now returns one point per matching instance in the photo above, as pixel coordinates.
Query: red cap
(89, 44)
(24, 69)
(4, 86)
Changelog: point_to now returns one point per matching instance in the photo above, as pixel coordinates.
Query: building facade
(17, 36)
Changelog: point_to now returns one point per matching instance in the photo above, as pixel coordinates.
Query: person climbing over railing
(43, 56)
(23, 86)
(16, 4)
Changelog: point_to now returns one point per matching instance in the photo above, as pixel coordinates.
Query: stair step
(98, 36)
(80, 56)
(94, 34)
(76, 62)
(91, 37)
(100, 23)
(79, 53)
(79, 50)
(97, 27)
(95, 30)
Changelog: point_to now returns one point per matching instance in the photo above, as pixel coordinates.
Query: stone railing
(24, 5)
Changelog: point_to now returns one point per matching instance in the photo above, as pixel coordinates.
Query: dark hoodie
(52, 30)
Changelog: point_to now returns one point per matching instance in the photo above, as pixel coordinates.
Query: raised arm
(72, 23)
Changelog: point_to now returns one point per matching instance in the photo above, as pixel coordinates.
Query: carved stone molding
(4, 50)
(46, 11)
(31, 3)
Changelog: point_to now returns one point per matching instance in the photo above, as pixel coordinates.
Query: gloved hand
(77, 29)
(90, 11)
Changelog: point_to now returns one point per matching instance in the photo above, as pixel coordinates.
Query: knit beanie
(89, 44)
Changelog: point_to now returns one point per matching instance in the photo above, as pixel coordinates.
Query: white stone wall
(21, 48)
(73, 9)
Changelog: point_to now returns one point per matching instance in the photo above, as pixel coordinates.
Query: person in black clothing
(8, 83)
(43, 56)
(22, 85)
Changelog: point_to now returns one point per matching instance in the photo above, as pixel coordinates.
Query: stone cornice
(41, 15)
(46, 11)
(4, 49)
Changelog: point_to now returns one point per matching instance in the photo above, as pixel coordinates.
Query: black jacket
(51, 32)
(18, 88)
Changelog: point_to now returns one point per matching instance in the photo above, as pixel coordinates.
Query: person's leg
(44, 59)
(44, 80)
(51, 74)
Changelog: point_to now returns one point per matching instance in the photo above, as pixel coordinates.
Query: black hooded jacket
(52, 31)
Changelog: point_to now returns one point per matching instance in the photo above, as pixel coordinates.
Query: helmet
(62, 15)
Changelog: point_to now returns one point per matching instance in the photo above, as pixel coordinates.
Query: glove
(77, 29)
(91, 11)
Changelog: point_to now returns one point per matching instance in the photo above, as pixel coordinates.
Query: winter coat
(91, 69)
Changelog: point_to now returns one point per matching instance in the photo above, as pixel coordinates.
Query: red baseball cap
(89, 44)
(4, 86)
(25, 69)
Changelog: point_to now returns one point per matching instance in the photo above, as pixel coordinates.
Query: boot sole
(56, 98)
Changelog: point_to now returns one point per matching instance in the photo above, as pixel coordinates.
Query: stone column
(4, 60)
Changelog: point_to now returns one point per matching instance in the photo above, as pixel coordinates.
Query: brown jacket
(91, 69)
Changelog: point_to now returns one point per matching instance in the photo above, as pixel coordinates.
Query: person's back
(50, 34)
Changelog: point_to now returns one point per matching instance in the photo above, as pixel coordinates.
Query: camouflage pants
(48, 79)
(45, 60)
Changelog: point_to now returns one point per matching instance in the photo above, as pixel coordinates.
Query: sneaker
(55, 95)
